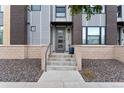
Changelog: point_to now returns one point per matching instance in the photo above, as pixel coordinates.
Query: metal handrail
(48, 53)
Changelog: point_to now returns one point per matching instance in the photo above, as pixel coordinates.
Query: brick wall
(93, 52)
(81, 52)
(21, 51)
(119, 53)
(12, 52)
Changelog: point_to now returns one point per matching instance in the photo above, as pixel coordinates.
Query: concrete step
(61, 59)
(68, 63)
(56, 67)
(61, 56)
(60, 53)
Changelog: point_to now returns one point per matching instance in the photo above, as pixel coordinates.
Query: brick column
(77, 27)
(6, 25)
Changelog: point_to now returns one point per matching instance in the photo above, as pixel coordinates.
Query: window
(1, 8)
(119, 14)
(103, 9)
(84, 35)
(93, 35)
(36, 7)
(102, 35)
(1, 34)
(60, 11)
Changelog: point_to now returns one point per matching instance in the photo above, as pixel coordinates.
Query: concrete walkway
(60, 79)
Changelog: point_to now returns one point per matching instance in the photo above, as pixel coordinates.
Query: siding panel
(18, 27)
(111, 17)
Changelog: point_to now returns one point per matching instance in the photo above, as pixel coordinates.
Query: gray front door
(60, 39)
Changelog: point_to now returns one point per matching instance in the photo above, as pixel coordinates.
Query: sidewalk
(60, 79)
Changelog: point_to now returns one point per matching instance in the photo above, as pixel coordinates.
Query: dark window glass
(119, 11)
(1, 8)
(60, 41)
(84, 35)
(103, 35)
(93, 35)
(1, 34)
(60, 11)
(36, 7)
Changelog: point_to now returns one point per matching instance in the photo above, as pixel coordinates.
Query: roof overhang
(61, 23)
(120, 23)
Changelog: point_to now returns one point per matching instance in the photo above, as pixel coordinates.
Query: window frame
(2, 34)
(0, 9)
(60, 12)
(35, 10)
(100, 35)
(119, 13)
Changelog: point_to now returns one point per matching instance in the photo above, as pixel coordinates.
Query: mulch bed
(20, 70)
(102, 70)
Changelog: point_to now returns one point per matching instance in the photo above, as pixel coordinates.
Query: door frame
(64, 47)
(122, 36)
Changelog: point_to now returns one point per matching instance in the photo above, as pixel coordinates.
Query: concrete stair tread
(62, 63)
(60, 60)
(66, 56)
(59, 66)
(65, 53)
(53, 67)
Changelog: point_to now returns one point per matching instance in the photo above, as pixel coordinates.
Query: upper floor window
(103, 9)
(60, 11)
(1, 8)
(119, 14)
(36, 7)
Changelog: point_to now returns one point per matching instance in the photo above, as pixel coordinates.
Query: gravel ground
(20, 70)
(108, 70)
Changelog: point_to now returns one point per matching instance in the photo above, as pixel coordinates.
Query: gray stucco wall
(41, 20)
(96, 20)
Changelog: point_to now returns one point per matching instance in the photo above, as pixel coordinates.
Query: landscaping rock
(20, 70)
(104, 70)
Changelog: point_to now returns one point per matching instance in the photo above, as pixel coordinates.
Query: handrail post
(46, 55)
(50, 48)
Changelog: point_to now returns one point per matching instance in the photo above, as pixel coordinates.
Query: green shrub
(88, 74)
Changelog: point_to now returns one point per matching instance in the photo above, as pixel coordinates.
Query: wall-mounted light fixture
(33, 28)
(68, 30)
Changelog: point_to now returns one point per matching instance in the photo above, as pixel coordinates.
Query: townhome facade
(53, 24)
(120, 24)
